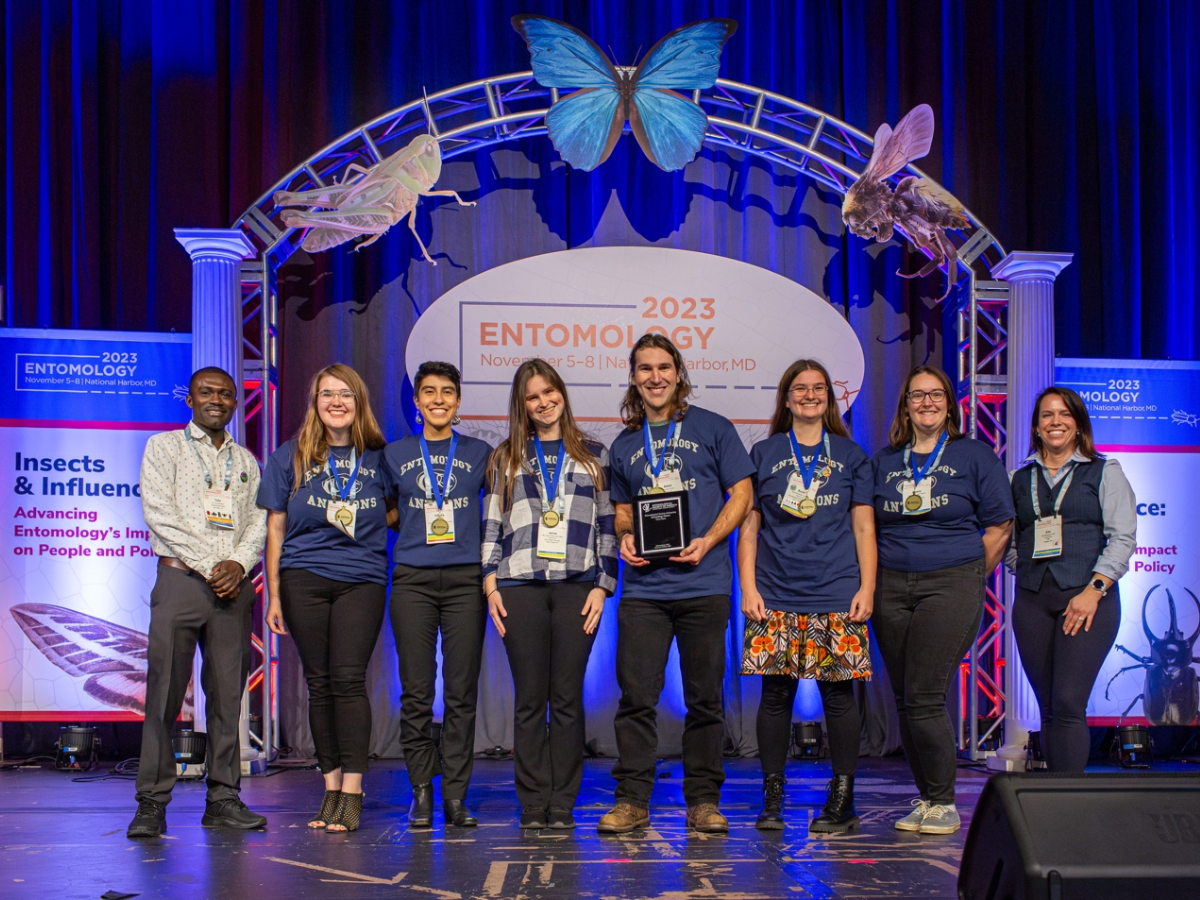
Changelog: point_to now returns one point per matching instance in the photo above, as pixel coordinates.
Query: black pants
(185, 612)
(548, 655)
(774, 723)
(424, 602)
(645, 629)
(924, 624)
(335, 625)
(1062, 669)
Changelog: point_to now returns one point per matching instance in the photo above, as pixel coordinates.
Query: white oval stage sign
(738, 327)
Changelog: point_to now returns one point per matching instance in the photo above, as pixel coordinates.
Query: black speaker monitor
(1086, 837)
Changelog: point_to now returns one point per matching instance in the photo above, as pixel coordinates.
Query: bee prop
(381, 197)
(872, 209)
(585, 125)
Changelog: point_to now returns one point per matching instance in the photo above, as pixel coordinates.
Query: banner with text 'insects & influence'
(76, 568)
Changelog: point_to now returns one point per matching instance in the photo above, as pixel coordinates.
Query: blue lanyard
(807, 472)
(549, 482)
(930, 463)
(355, 463)
(208, 479)
(656, 465)
(433, 490)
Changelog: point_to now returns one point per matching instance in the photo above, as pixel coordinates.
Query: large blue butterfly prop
(584, 126)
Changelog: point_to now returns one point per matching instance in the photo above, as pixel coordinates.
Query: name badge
(439, 523)
(218, 508)
(667, 482)
(798, 500)
(1047, 537)
(342, 516)
(552, 541)
(916, 500)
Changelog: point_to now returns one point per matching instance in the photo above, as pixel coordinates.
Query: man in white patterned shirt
(198, 498)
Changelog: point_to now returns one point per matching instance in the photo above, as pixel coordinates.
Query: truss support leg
(216, 255)
(1031, 277)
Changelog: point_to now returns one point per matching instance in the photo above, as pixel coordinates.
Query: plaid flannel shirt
(510, 537)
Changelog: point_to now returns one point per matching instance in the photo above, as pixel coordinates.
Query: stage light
(76, 748)
(808, 740)
(1035, 758)
(191, 748)
(1132, 747)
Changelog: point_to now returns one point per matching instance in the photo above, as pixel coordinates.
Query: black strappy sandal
(328, 809)
(348, 815)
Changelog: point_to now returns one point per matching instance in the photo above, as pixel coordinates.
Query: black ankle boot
(838, 816)
(771, 817)
(420, 814)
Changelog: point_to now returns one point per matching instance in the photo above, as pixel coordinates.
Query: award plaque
(661, 526)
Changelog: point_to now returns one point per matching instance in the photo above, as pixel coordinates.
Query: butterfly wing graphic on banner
(585, 125)
(112, 658)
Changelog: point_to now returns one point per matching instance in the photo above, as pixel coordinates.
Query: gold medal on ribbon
(808, 507)
(656, 490)
(912, 502)
(440, 526)
(344, 517)
(550, 518)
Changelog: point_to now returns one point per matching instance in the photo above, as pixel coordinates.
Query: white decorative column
(1030, 276)
(217, 254)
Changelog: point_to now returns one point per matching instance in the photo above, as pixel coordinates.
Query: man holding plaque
(680, 484)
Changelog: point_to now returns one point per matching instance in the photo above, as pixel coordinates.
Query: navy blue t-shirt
(970, 492)
(711, 459)
(403, 459)
(310, 542)
(809, 565)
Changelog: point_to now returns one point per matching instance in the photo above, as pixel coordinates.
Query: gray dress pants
(185, 612)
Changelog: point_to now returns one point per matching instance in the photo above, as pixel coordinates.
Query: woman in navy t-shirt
(326, 565)
(944, 513)
(806, 561)
(437, 586)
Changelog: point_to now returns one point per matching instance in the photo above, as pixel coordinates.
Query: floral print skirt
(824, 646)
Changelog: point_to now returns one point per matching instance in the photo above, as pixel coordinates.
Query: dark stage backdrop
(1064, 126)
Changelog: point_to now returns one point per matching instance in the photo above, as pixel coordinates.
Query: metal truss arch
(779, 130)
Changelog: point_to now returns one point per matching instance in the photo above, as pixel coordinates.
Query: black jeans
(645, 629)
(424, 602)
(1062, 669)
(184, 611)
(335, 625)
(924, 623)
(774, 723)
(548, 655)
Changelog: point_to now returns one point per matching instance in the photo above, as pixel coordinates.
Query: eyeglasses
(937, 396)
(801, 390)
(344, 396)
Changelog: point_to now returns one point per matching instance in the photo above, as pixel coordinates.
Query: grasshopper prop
(381, 197)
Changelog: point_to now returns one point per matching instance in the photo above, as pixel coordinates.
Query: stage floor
(67, 840)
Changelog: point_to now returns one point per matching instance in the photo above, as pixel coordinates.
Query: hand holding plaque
(661, 526)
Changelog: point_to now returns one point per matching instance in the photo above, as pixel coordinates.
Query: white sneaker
(912, 822)
(940, 820)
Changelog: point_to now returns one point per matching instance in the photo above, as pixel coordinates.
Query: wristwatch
(1098, 585)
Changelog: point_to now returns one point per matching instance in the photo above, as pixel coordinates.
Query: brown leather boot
(623, 818)
(707, 819)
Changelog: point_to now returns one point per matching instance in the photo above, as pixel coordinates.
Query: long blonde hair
(312, 447)
(511, 456)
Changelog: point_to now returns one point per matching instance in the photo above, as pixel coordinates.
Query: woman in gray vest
(1075, 531)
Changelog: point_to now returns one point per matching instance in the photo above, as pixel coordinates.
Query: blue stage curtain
(1066, 125)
